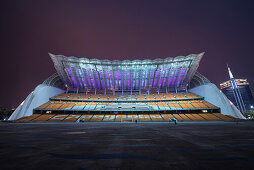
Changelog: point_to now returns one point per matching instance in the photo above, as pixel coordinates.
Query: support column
(67, 89)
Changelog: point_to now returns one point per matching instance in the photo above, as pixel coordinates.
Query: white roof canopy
(84, 73)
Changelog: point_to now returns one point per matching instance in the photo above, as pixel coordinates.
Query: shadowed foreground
(192, 145)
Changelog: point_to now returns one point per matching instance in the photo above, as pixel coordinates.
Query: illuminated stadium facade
(147, 90)
(159, 74)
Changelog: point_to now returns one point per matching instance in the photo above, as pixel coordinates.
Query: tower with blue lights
(236, 92)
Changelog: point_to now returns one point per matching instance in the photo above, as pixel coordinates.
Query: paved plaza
(187, 145)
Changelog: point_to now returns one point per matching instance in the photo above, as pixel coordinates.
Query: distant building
(238, 91)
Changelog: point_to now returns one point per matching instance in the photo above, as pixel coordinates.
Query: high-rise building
(238, 91)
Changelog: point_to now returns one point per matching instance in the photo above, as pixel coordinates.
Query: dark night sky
(109, 29)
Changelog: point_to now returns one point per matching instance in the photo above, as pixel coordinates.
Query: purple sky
(109, 29)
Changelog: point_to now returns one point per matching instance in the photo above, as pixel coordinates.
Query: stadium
(93, 90)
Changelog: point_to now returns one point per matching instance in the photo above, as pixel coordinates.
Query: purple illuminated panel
(133, 80)
(80, 73)
(88, 80)
(107, 81)
(124, 80)
(100, 74)
(142, 79)
(156, 79)
(120, 83)
(169, 81)
(69, 70)
(110, 80)
(79, 77)
(163, 82)
(102, 84)
(152, 73)
(137, 85)
(146, 79)
(80, 82)
(90, 73)
(157, 72)
(72, 78)
(151, 82)
(97, 79)
(152, 77)
(116, 85)
(165, 79)
(155, 82)
(115, 74)
(128, 77)
(146, 84)
(173, 83)
(137, 80)
(92, 80)
(161, 79)
(183, 71)
(179, 81)
(119, 75)
(83, 80)
(109, 74)
(98, 83)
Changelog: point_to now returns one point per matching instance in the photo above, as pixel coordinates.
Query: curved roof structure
(169, 73)
(198, 80)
